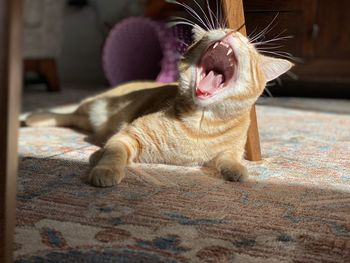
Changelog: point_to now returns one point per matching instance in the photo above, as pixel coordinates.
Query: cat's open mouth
(215, 69)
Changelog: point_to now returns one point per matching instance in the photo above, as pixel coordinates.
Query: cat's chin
(216, 94)
(207, 101)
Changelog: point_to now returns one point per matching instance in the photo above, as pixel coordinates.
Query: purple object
(141, 49)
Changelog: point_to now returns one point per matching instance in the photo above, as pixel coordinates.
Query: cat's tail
(52, 119)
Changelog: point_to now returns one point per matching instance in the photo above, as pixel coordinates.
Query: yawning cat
(202, 120)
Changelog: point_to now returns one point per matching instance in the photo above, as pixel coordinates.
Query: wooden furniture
(46, 67)
(233, 12)
(320, 39)
(42, 38)
(10, 94)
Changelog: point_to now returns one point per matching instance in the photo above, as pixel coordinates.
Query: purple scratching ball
(140, 49)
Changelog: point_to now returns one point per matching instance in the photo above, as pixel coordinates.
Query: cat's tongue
(209, 84)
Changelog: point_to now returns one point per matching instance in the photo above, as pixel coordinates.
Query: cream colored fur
(166, 123)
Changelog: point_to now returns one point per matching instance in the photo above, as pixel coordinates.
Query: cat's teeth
(229, 52)
(202, 73)
(224, 44)
(215, 45)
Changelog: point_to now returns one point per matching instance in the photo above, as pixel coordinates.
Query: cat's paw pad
(105, 176)
(234, 173)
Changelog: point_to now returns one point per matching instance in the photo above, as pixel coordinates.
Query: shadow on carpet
(195, 218)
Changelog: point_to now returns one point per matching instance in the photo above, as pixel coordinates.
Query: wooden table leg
(253, 151)
(233, 10)
(10, 94)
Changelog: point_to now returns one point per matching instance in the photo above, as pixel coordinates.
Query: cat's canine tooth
(215, 45)
(229, 52)
(224, 44)
(202, 73)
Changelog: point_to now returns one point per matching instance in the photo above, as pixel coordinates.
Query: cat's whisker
(178, 18)
(219, 15)
(275, 37)
(272, 40)
(191, 12)
(266, 45)
(282, 54)
(252, 33)
(174, 23)
(262, 35)
(279, 81)
(282, 32)
(239, 28)
(212, 15)
(269, 47)
(268, 92)
(292, 75)
(201, 120)
(181, 42)
(211, 25)
(265, 30)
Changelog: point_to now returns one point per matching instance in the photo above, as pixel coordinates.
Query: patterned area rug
(295, 208)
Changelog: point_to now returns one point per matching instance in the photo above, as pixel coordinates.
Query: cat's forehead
(217, 34)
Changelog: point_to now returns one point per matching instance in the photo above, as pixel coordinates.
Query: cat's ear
(197, 33)
(274, 67)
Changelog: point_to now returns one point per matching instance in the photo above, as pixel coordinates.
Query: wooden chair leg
(47, 67)
(253, 151)
(10, 94)
(234, 12)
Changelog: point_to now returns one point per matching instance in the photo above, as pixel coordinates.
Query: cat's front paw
(95, 157)
(234, 172)
(104, 176)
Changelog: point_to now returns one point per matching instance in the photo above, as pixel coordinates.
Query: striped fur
(166, 123)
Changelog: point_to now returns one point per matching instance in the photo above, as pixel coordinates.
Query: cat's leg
(113, 158)
(230, 166)
(95, 157)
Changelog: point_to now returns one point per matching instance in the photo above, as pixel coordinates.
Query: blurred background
(73, 48)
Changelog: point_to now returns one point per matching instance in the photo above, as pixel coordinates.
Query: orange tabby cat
(203, 120)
